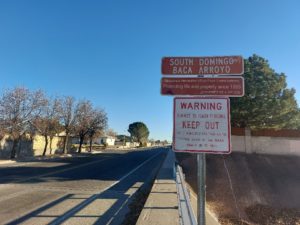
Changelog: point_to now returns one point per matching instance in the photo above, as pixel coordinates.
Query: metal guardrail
(186, 213)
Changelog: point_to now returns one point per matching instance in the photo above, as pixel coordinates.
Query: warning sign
(201, 125)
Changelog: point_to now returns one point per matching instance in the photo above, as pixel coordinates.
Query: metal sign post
(202, 124)
(201, 175)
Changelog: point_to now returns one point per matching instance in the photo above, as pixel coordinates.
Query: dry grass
(258, 189)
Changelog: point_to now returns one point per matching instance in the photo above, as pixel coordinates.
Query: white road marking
(92, 198)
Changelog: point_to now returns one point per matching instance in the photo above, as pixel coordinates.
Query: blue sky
(110, 51)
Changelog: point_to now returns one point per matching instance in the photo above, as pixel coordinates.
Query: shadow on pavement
(109, 206)
(44, 169)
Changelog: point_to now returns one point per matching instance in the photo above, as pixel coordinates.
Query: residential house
(106, 140)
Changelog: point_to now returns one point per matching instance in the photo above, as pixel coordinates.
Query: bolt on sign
(202, 125)
(214, 65)
(221, 86)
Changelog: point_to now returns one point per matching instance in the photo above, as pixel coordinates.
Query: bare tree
(110, 132)
(47, 123)
(98, 125)
(165, 142)
(67, 117)
(2, 129)
(18, 107)
(84, 116)
(92, 135)
(55, 128)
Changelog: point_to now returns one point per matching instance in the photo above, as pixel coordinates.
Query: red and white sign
(215, 65)
(201, 125)
(229, 86)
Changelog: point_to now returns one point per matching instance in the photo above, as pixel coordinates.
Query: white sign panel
(201, 125)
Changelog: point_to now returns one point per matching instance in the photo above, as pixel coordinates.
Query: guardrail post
(186, 213)
(201, 173)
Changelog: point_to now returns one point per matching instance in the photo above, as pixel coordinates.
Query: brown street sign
(212, 65)
(224, 86)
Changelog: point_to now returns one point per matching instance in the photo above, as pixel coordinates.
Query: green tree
(267, 103)
(123, 137)
(138, 132)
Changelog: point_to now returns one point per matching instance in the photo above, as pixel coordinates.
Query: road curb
(161, 207)
(51, 157)
(34, 159)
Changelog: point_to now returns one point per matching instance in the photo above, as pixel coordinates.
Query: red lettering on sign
(201, 105)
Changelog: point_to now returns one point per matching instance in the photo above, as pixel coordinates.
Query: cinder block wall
(278, 142)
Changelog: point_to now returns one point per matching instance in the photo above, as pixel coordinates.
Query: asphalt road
(90, 189)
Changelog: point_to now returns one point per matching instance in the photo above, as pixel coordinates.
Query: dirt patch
(266, 215)
(249, 189)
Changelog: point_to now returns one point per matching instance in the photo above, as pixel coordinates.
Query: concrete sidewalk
(56, 156)
(161, 207)
(33, 159)
(7, 161)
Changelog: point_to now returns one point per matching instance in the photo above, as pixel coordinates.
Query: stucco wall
(238, 143)
(276, 145)
(39, 144)
(24, 148)
(106, 140)
(28, 147)
(266, 145)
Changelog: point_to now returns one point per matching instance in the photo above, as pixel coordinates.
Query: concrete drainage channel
(161, 207)
(138, 201)
(171, 201)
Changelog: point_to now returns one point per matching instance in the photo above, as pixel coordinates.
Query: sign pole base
(201, 176)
